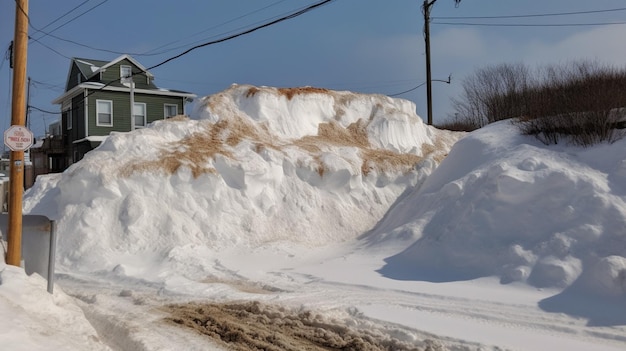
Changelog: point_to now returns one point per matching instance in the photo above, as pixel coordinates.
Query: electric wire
(407, 91)
(44, 111)
(529, 24)
(214, 27)
(531, 15)
(65, 14)
(70, 20)
(225, 33)
(281, 19)
(51, 49)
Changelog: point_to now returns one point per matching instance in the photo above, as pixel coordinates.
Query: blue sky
(370, 46)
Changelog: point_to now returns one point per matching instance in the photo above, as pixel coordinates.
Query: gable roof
(90, 67)
(125, 57)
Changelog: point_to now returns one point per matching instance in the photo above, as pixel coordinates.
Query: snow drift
(304, 165)
(506, 205)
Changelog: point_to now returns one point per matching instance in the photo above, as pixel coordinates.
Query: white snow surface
(338, 203)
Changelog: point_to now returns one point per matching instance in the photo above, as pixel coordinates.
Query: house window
(170, 110)
(104, 113)
(126, 73)
(139, 114)
(68, 118)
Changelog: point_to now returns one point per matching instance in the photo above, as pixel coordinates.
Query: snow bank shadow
(255, 326)
(600, 311)
(399, 268)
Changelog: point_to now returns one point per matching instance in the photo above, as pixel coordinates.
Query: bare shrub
(457, 124)
(493, 93)
(579, 101)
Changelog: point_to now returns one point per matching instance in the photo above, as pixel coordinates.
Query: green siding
(113, 73)
(121, 109)
(72, 81)
(155, 105)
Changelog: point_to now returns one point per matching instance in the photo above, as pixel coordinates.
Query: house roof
(91, 67)
(88, 67)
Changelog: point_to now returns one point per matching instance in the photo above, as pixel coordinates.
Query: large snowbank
(506, 205)
(261, 165)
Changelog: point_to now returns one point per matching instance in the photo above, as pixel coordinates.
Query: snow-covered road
(340, 285)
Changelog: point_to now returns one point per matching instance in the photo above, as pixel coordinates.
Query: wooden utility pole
(426, 7)
(18, 117)
(429, 83)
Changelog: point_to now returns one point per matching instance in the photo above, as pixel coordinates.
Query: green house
(97, 101)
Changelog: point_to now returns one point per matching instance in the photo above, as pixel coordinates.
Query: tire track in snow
(519, 317)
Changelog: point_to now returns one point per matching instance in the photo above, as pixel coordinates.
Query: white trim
(132, 60)
(92, 138)
(110, 102)
(86, 100)
(145, 115)
(96, 86)
(165, 110)
(125, 79)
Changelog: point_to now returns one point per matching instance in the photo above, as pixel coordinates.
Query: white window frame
(98, 123)
(126, 78)
(68, 113)
(165, 106)
(145, 115)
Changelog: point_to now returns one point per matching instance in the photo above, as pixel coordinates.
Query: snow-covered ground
(337, 213)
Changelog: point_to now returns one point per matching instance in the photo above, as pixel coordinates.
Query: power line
(532, 15)
(210, 28)
(284, 18)
(85, 45)
(66, 40)
(225, 33)
(65, 14)
(528, 24)
(51, 49)
(406, 91)
(44, 111)
(281, 19)
(69, 21)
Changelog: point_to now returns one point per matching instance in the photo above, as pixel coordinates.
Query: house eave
(99, 86)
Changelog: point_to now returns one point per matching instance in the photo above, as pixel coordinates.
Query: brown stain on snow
(196, 150)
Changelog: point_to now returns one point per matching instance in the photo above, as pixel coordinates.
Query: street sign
(18, 138)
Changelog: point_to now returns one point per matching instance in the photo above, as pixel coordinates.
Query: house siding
(121, 110)
(71, 79)
(112, 73)
(155, 105)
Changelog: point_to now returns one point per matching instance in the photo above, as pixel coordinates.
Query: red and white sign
(18, 138)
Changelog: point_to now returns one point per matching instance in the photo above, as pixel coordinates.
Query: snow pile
(33, 320)
(506, 205)
(262, 165)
